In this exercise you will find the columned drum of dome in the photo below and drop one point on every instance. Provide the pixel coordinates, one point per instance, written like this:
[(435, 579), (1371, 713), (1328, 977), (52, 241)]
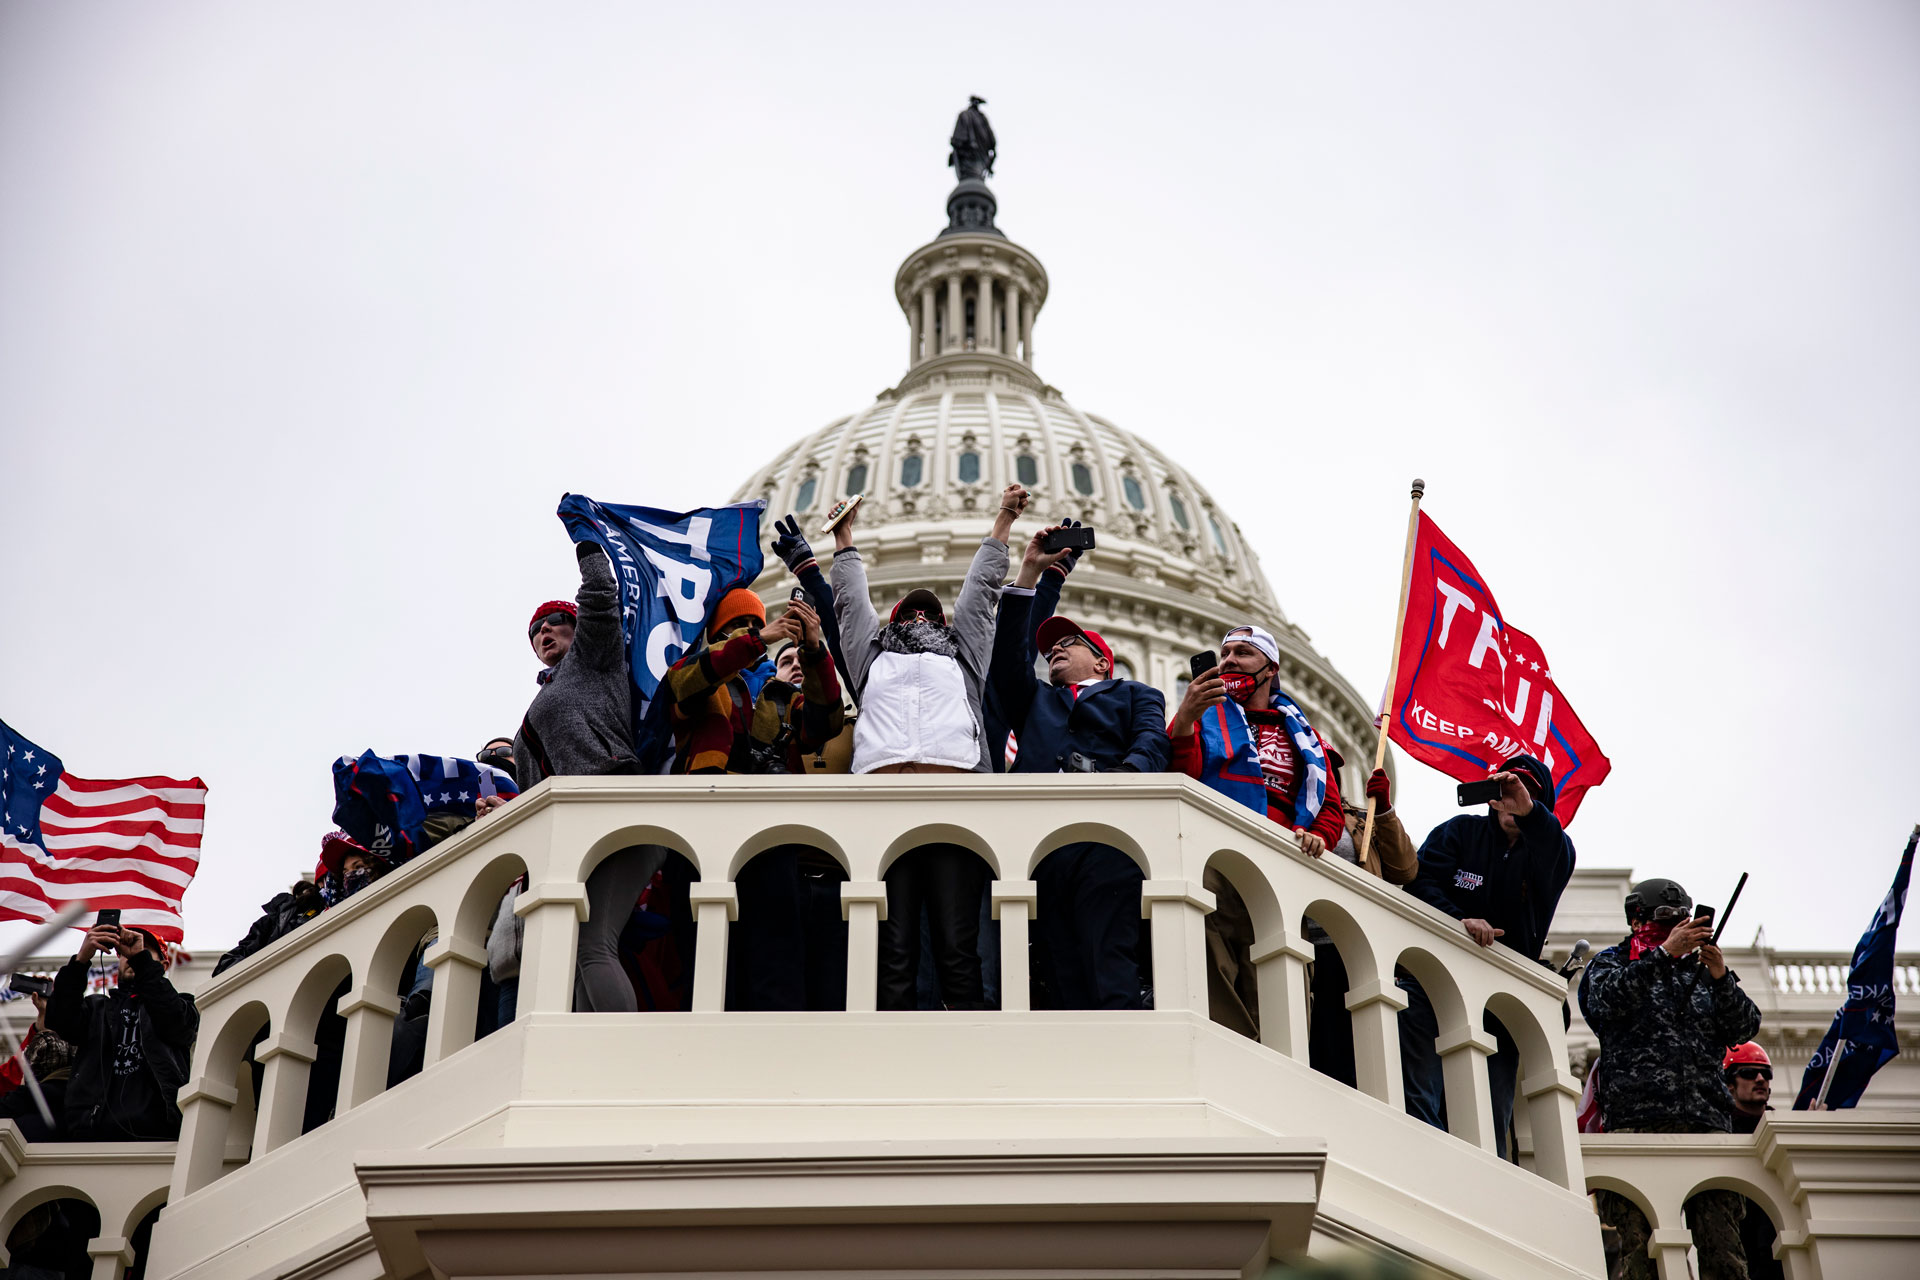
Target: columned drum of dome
[(971, 416)]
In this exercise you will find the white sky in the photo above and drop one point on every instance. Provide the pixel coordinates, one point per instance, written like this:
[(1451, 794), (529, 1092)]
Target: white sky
[(309, 315)]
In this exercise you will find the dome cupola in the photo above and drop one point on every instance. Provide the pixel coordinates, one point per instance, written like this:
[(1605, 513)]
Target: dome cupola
[(1171, 573)]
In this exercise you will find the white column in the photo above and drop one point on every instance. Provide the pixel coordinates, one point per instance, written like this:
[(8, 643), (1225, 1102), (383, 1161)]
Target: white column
[(1026, 336), (111, 1255), (1013, 906), (1376, 1041), (1280, 977), (1464, 1051), (956, 315), (554, 913), (926, 325), (363, 1061), (286, 1067), (1552, 1106), (1177, 913), (716, 904), (863, 905), (205, 1108), (1013, 319), (913, 334), (1669, 1247), (457, 965), (983, 316)]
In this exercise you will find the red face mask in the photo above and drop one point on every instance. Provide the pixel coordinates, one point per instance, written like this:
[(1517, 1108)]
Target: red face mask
[(1647, 936), (1240, 685)]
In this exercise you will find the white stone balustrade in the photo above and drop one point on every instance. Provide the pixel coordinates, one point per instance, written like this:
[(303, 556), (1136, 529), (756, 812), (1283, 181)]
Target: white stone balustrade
[(123, 1181), (1840, 1188), (557, 1079)]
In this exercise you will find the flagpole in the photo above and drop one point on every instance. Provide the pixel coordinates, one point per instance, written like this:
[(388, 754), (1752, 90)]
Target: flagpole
[(1393, 663), (1833, 1064)]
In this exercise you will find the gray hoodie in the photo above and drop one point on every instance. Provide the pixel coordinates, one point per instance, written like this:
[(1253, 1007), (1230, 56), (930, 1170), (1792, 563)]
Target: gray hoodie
[(973, 623), (582, 718)]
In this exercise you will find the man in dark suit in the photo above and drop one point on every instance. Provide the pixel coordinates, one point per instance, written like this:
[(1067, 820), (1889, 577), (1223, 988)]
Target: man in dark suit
[(1079, 720)]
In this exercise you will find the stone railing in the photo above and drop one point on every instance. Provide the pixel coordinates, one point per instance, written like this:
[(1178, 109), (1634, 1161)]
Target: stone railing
[(1825, 974), (123, 1181), (1841, 1189), (558, 832)]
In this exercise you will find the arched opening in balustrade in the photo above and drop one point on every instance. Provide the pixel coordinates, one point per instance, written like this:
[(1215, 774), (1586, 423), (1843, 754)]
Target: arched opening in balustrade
[(139, 1232), (484, 925), (1627, 1222), (1246, 913), (296, 1074), (787, 950), (222, 1135), (939, 943), (411, 938), (636, 948), (1760, 1220), (46, 1232), (1089, 949), (1525, 1051), (1440, 1071), (1344, 966)]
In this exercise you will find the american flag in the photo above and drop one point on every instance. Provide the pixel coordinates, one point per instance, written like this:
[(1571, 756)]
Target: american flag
[(131, 843)]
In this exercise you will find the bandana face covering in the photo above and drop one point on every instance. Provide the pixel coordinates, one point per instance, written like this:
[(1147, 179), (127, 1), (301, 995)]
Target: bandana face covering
[(1647, 936), (1240, 686)]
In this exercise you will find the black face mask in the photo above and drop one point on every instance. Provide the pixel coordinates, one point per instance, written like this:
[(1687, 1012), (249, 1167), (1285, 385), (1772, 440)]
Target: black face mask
[(500, 758), (356, 879)]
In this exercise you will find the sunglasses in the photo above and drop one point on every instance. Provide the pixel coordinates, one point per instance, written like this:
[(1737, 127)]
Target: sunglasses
[(1754, 1073), (554, 619)]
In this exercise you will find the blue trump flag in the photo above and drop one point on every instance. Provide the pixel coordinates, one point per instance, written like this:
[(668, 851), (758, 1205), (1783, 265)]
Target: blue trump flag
[(377, 802), (673, 567), (1865, 1021)]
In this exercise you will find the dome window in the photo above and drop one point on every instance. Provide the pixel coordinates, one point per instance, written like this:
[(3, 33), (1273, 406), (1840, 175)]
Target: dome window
[(1219, 537), (857, 483), (803, 501), (1083, 479), (1135, 498), (910, 469), (969, 468), (1026, 469), (1179, 511)]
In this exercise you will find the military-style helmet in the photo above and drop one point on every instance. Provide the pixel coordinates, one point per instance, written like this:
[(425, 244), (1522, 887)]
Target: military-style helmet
[(1649, 896)]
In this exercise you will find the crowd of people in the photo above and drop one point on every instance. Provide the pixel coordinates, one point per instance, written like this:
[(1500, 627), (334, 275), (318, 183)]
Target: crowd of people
[(831, 686)]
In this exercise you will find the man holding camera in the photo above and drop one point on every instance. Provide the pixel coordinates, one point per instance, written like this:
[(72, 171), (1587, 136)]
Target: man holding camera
[(1501, 876), (132, 1046), (1666, 1009), (1079, 720)]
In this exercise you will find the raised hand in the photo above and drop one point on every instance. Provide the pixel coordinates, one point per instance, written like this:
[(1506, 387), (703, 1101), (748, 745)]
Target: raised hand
[(791, 546), (1209, 690), (807, 621), (1514, 797)]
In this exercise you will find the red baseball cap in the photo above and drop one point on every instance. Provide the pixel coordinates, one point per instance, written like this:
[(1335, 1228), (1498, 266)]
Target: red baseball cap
[(1057, 628), (336, 847)]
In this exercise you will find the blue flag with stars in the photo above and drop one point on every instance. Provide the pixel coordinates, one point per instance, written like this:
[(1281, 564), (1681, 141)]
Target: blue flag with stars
[(28, 775), (1865, 1021), (673, 567)]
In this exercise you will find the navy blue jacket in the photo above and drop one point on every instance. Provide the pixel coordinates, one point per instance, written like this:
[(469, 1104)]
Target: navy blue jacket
[(1119, 724), (1467, 870)]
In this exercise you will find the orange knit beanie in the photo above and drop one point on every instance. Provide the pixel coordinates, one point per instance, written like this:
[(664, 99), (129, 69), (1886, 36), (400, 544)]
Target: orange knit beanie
[(737, 603)]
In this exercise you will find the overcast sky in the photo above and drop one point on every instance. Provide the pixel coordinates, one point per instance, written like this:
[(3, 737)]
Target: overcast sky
[(310, 314)]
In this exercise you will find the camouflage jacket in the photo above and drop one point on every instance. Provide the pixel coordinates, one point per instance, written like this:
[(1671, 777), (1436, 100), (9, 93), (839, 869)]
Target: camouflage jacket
[(1664, 1025)]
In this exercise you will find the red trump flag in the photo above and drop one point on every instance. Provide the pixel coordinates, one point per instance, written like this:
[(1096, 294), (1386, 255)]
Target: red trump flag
[(1472, 690)]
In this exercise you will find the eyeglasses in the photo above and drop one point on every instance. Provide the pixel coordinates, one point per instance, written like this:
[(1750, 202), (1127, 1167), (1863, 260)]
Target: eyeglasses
[(1062, 646), (554, 619), (1754, 1073)]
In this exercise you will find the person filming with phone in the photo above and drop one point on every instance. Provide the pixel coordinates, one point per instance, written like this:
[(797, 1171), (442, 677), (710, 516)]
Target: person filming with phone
[(1666, 1009), (132, 1045), (1500, 875), (1080, 719)]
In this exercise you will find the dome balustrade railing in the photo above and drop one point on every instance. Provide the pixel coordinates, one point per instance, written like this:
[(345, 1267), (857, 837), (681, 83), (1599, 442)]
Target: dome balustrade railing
[(557, 833)]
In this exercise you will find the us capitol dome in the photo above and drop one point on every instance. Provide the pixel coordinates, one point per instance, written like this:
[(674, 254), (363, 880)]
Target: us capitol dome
[(1171, 572)]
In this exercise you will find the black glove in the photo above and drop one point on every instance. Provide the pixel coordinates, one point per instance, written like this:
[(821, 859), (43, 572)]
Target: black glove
[(790, 546), (581, 550)]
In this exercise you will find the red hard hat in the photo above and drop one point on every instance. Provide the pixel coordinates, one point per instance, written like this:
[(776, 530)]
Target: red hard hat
[(1749, 1054)]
